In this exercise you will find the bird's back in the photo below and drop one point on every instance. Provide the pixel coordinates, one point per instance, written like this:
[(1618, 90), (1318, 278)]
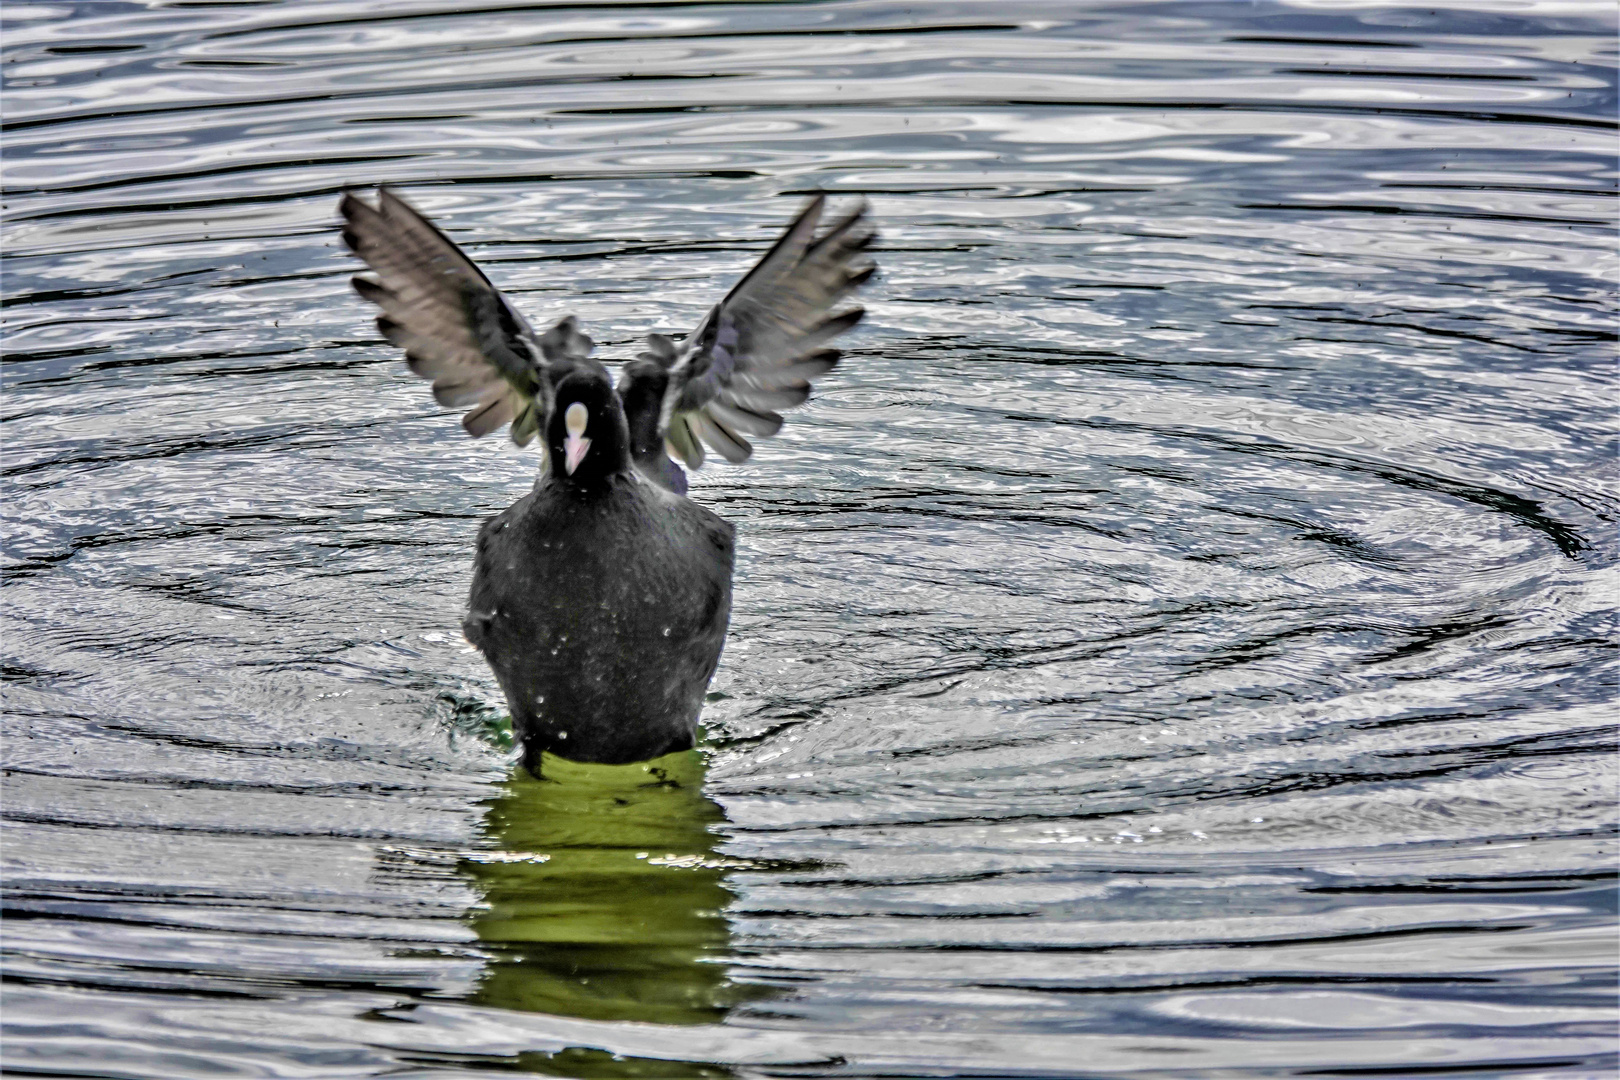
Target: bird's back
[(603, 617)]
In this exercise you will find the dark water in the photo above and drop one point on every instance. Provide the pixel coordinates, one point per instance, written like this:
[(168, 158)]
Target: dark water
[(1176, 643)]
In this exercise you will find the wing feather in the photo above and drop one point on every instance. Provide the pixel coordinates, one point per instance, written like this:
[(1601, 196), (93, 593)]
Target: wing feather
[(740, 419), (489, 416), (728, 444), (683, 442)]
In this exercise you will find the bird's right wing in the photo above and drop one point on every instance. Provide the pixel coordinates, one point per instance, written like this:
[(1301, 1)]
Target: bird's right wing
[(455, 327)]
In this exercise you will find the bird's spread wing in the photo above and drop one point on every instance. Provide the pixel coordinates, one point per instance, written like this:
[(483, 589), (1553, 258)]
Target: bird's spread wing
[(757, 350), (455, 327)]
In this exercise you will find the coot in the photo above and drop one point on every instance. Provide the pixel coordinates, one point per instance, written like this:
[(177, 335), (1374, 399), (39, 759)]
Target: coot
[(600, 598)]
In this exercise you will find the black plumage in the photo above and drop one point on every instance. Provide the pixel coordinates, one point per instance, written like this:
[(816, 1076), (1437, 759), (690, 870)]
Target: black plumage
[(600, 599), (642, 385)]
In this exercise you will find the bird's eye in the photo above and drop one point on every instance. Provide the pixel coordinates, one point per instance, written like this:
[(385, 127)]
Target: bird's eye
[(575, 419)]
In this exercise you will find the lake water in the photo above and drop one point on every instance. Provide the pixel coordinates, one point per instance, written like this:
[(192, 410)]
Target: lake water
[(1177, 641)]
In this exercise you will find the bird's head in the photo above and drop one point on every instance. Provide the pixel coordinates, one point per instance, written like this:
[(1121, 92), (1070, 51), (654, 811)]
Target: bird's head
[(586, 436)]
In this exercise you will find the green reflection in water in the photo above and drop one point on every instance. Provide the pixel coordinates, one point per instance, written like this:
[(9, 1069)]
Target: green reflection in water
[(604, 896)]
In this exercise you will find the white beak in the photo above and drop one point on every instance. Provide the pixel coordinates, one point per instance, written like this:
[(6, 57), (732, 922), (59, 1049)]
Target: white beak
[(574, 446)]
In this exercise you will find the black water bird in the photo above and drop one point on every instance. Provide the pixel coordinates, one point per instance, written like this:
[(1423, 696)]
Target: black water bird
[(600, 598)]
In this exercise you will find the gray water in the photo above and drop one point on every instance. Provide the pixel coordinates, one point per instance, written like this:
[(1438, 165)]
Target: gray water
[(1176, 642)]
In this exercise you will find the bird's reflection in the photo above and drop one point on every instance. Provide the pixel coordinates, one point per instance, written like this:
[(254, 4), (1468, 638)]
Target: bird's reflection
[(604, 896)]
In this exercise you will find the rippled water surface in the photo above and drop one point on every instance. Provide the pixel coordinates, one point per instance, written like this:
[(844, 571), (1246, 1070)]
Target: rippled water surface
[(1174, 643)]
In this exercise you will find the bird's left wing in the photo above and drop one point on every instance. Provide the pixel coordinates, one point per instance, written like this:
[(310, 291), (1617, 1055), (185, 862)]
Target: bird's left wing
[(455, 327), (757, 351)]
